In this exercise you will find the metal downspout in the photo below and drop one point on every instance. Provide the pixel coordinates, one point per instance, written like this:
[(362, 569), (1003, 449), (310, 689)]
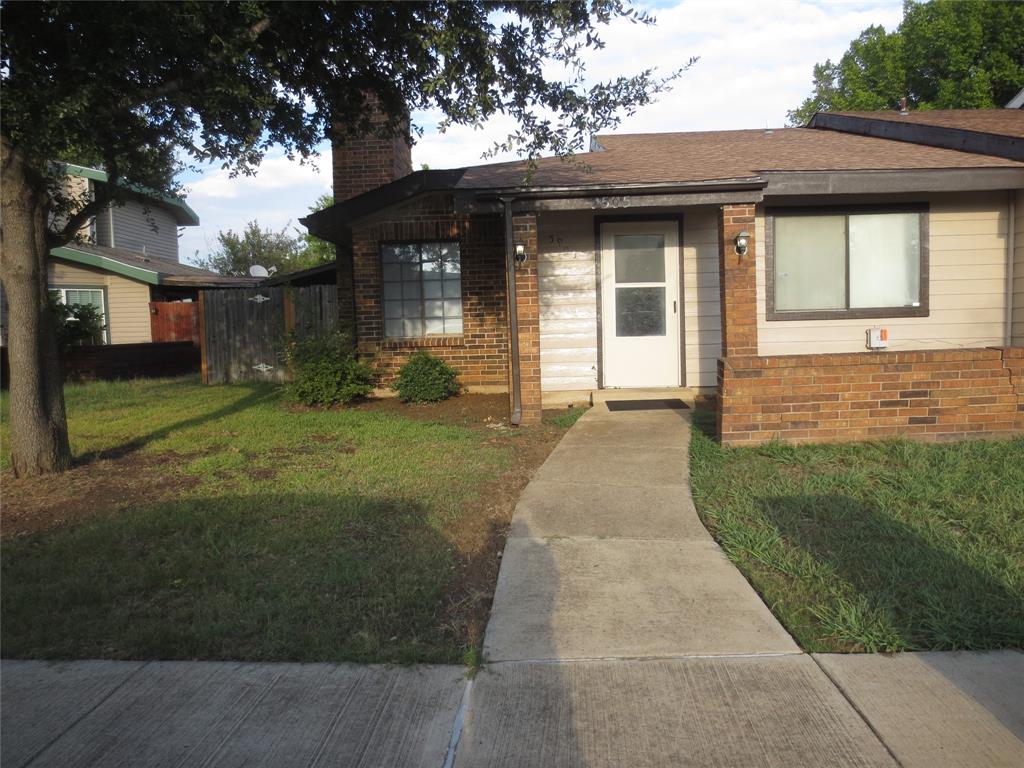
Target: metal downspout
[(1010, 255), (513, 315)]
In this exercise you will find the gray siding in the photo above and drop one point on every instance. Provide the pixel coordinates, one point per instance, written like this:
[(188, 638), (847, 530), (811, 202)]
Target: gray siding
[(132, 227)]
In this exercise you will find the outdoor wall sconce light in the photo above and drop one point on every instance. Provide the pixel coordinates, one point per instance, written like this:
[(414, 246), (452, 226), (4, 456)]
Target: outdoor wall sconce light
[(742, 240), (520, 253)]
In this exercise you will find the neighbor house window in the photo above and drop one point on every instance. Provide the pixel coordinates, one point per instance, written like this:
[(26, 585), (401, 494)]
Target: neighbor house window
[(93, 296), (422, 289), (857, 263)]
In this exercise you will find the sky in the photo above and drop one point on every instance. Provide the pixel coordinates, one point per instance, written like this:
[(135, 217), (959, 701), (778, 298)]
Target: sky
[(756, 62)]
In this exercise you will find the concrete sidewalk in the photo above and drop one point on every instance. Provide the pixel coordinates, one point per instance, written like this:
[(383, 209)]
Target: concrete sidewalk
[(118, 713), (608, 559), (620, 635)]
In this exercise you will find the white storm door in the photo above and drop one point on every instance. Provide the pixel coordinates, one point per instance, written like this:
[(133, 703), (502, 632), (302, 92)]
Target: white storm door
[(640, 304)]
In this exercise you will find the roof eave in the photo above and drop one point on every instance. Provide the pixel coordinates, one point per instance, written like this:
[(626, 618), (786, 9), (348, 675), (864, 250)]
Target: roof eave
[(961, 139), (70, 253)]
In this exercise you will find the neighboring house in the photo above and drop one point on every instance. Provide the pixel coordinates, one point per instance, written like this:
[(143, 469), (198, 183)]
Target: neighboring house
[(825, 282), (127, 265)]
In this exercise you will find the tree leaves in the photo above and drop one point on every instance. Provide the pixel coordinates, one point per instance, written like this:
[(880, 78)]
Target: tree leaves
[(145, 89), (946, 54)]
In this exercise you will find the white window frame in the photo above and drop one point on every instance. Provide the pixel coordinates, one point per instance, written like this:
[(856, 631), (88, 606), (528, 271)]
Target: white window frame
[(63, 291)]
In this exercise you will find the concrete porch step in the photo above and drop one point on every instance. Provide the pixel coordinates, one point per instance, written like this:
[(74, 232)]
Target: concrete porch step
[(686, 394)]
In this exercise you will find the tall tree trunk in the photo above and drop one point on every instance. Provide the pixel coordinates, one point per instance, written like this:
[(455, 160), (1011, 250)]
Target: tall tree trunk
[(39, 429)]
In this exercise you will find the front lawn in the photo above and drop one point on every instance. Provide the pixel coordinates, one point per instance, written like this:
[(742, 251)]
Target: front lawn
[(220, 523), (874, 547)]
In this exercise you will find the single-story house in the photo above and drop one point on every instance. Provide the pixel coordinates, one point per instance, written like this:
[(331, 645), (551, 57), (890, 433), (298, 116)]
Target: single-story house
[(127, 265), (859, 277)]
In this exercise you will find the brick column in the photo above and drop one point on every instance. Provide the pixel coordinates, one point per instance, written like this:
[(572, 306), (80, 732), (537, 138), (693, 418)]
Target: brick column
[(524, 228), (738, 282)]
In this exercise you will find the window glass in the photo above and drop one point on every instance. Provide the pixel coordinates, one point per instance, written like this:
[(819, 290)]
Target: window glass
[(810, 262), (93, 296), (885, 260), (422, 289), (639, 311), (879, 253), (639, 258)]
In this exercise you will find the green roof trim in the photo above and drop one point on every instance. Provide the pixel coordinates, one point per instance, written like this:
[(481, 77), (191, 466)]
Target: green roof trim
[(183, 212), (80, 170), (70, 253)]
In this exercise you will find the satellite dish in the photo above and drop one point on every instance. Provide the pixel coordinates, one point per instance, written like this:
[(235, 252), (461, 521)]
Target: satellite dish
[(257, 271)]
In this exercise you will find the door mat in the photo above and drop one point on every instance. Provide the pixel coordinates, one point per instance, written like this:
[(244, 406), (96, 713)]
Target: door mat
[(646, 405)]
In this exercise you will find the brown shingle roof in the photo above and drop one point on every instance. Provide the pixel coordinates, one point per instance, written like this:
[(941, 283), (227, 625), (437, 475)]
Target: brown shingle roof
[(1001, 122), (653, 158)]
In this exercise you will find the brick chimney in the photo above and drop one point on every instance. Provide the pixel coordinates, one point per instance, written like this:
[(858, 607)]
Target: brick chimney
[(362, 163)]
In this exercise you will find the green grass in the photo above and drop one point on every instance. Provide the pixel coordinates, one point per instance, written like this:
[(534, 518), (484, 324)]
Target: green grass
[(882, 546), (298, 535), (566, 418)]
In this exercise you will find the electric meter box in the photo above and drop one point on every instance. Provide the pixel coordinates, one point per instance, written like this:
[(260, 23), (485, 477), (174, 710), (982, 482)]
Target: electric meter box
[(878, 338)]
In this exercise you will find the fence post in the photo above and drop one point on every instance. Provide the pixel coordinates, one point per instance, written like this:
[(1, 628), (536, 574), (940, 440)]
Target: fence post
[(203, 375), (289, 310)]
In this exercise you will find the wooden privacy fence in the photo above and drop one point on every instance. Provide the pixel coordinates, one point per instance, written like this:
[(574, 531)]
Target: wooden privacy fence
[(174, 321), (242, 330)]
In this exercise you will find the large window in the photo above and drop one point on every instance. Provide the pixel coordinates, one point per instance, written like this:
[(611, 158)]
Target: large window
[(859, 263), (422, 289), (93, 296)]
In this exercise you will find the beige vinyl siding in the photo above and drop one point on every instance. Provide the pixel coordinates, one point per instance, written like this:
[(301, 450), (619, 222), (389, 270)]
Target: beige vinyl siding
[(127, 300), (137, 228), (701, 297), (567, 281), (968, 269), (1017, 331)]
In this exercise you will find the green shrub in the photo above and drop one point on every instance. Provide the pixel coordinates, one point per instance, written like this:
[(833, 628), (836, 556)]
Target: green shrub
[(77, 325), (426, 379), (325, 370)]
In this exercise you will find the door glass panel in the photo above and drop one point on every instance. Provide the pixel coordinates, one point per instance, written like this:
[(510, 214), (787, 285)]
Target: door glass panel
[(639, 311), (639, 258)]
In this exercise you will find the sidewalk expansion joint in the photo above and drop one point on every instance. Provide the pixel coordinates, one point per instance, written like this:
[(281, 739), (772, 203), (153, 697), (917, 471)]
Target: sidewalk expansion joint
[(674, 657), (853, 705)]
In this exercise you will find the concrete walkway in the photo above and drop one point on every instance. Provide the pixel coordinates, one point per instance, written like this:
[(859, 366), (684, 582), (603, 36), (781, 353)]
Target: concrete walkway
[(620, 635)]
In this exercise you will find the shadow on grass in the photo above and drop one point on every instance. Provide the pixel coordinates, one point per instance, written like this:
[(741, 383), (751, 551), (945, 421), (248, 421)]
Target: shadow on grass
[(705, 422), (299, 577), (913, 594), (257, 393)]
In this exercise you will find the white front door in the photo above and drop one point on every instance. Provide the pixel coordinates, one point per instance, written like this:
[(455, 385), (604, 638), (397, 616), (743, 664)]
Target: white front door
[(640, 304)]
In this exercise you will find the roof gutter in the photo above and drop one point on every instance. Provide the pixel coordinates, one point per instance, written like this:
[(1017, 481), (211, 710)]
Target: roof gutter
[(513, 314), (586, 190)]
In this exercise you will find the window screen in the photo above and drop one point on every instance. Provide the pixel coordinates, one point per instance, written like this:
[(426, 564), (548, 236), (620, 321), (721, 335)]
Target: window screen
[(422, 289)]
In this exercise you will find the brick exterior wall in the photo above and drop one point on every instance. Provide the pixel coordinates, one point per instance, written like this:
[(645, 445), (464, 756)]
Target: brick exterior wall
[(362, 163), (359, 164), (930, 395), (524, 228), (737, 281), (480, 353)]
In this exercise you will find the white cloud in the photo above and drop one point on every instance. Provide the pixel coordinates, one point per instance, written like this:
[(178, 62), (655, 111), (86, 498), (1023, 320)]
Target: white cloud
[(756, 60)]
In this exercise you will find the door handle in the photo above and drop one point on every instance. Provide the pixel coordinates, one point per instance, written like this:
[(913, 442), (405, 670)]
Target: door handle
[(674, 310)]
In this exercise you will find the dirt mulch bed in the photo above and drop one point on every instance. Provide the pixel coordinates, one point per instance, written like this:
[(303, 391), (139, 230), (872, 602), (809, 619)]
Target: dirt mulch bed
[(104, 486)]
